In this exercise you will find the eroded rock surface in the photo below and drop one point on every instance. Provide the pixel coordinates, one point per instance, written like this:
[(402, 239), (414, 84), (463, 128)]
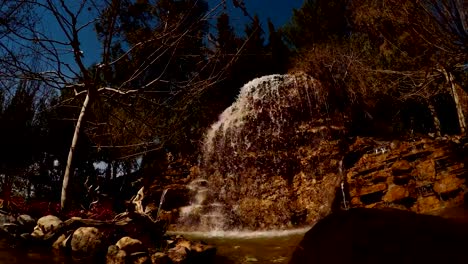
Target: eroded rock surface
[(421, 175)]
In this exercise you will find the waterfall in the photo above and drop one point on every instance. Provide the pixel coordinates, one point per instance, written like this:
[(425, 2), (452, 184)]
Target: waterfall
[(272, 158)]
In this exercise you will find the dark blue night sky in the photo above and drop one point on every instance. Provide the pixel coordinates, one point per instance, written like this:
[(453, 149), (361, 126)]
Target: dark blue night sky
[(279, 11)]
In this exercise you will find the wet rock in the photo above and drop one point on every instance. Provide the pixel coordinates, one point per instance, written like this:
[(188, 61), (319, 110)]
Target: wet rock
[(395, 193), (45, 225), (160, 258), (87, 241), (422, 175), (115, 255), (448, 184), (178, 254), (130, 245), (368, 236)]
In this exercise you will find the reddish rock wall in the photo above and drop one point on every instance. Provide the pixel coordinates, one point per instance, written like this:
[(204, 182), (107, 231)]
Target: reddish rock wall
[(422, 176)]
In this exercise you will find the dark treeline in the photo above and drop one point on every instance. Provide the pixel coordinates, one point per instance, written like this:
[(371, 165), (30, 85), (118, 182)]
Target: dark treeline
[(168, 68)]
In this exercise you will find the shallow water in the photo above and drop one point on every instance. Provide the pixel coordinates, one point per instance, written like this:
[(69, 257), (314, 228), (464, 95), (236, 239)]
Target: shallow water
[(251, 247), (20, 255)]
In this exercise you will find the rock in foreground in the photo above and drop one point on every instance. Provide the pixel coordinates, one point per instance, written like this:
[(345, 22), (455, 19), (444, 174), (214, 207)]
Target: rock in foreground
[(383, 236)]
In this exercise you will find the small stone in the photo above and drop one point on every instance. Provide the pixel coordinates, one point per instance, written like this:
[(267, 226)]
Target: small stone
[(130, 245)]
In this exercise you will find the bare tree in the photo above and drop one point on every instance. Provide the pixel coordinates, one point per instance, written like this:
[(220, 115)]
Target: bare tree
[(439, 34), (62, 58)]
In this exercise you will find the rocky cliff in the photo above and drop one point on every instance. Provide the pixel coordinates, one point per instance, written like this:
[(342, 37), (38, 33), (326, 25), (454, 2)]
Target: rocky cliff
[(420, 175)]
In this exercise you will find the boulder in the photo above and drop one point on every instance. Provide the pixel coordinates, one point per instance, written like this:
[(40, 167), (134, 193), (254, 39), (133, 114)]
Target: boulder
[(45, 225), (130, 245), (388, 236), (87, 241)]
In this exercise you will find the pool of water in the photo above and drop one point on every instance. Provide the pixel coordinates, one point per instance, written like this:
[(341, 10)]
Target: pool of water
[(12, 254), (251, 247)]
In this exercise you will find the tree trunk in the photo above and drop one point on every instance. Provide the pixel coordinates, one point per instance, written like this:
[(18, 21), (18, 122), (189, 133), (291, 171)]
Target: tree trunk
[(435, 118), (456, 99), (68, 168)]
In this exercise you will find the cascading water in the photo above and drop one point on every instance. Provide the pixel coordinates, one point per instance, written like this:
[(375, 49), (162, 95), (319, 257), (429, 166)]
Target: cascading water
[(161, 201), (272, 159)]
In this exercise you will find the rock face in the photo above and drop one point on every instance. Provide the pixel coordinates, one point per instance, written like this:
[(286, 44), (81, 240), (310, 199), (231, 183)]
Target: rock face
[(422, 175), (274, 155), (363, 236)]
